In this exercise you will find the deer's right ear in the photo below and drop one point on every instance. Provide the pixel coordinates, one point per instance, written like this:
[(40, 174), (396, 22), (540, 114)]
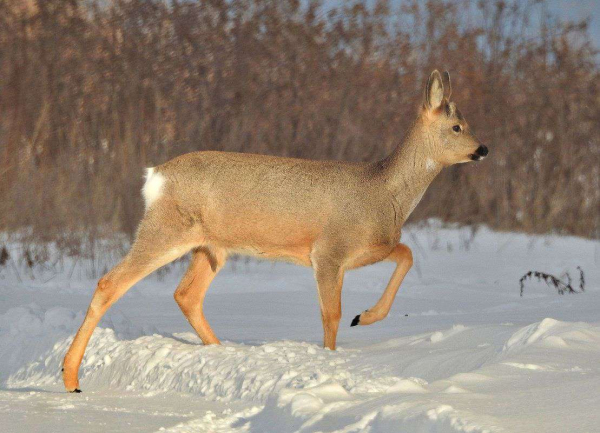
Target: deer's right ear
[(434, 92), (447, 85)]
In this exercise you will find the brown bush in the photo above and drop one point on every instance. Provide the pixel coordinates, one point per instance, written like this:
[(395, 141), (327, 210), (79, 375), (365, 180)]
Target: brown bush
[(93, 91)]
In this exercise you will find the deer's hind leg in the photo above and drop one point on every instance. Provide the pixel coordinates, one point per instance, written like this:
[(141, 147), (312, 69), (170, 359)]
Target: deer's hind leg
[(402, 255), (204, 266), (155, 246)]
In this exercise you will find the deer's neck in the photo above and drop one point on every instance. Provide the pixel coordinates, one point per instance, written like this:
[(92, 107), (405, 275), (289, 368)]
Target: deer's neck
[(409, 170)]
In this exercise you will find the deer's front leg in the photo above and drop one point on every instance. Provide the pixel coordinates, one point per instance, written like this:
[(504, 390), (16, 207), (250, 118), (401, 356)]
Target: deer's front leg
[(329, 278), (402, 255)]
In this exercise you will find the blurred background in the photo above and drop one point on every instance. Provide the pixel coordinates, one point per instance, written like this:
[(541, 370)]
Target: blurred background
[(93, 91)]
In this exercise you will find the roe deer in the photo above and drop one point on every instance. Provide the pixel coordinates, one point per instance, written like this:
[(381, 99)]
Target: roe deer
[(330, 215)]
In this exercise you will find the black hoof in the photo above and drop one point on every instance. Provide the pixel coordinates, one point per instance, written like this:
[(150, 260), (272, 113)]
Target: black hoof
[(75, 391), (62, 369), (355, 321)]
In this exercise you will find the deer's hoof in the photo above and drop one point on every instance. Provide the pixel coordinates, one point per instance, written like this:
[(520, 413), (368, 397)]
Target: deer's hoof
[(355, 321), (75, 391)]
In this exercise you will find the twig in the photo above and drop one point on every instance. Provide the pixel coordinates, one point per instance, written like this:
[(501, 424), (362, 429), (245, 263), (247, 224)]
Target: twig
[(561, 286)]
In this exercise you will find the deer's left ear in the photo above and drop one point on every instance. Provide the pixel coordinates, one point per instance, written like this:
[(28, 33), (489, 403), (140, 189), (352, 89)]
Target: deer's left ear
[(434, 92)]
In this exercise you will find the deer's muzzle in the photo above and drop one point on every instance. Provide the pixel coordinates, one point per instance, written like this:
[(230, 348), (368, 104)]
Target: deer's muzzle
[(480, 153)]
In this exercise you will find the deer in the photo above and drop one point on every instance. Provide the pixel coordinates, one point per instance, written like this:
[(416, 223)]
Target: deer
[(332, 216)]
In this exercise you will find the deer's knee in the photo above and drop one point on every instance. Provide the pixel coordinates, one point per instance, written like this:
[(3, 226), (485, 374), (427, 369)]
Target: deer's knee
[(103, 285), (186, 303), (403, 254), (180, 297), (104, 292)]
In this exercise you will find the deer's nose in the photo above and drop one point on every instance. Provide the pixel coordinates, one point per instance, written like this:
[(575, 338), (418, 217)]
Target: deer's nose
[(482, 151)]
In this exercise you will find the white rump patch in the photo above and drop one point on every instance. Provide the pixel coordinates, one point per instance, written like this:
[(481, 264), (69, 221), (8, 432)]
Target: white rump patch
[(152, 189)]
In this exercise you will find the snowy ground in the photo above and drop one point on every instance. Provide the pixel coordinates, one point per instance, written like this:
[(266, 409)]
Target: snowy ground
[(460, 351)]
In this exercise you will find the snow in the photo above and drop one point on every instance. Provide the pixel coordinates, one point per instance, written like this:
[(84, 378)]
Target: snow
[(460, 351)]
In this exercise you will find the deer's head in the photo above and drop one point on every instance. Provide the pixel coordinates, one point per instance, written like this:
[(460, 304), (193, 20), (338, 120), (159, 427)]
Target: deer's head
[(449, 138)]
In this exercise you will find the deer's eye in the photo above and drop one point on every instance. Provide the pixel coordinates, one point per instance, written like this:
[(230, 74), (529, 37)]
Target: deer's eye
[(456, 128)]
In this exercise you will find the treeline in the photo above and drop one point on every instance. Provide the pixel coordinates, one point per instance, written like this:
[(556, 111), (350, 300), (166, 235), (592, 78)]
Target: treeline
[(93, 91)]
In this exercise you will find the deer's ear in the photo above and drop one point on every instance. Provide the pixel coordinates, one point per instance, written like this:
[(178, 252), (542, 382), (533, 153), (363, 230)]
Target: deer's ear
[(434, 92), (447, 85)]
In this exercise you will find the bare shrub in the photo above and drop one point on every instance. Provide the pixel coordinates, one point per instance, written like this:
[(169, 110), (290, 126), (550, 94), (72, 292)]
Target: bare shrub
[(561, 285), (91, 92)]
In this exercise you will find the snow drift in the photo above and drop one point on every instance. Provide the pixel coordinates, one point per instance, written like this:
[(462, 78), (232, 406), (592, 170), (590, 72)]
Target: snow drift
[(459, 352)]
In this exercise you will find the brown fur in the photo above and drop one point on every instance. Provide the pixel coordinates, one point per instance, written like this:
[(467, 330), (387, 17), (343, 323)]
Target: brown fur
[(330, 215)]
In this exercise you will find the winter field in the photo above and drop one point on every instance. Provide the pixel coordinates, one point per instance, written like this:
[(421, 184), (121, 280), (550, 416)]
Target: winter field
[(461, 351)]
